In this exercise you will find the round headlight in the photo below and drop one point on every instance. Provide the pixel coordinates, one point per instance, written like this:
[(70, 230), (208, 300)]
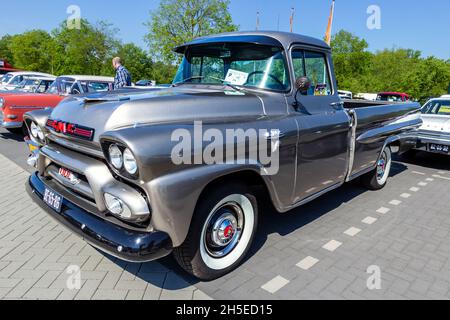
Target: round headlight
[(34, 129), (115, 156), (129, 162)]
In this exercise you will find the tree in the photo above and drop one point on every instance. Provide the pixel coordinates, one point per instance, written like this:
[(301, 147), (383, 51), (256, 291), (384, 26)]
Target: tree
[(5, 48), (84, 51), (178, 21), (30, 51), (135, 59)]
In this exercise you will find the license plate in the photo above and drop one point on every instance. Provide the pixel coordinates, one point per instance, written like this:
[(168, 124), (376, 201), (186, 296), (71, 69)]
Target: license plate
[(53, 199), (439, 148)]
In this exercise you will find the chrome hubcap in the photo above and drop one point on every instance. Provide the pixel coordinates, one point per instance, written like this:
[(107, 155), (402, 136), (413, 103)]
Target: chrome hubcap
[(381, 168), (224, 230)]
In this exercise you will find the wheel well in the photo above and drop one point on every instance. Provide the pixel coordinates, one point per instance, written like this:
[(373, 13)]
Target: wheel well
[(395, 146), (247, 177)]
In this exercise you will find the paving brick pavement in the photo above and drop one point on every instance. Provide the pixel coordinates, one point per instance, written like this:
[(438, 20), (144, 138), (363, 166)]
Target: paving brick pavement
[(322, 250)]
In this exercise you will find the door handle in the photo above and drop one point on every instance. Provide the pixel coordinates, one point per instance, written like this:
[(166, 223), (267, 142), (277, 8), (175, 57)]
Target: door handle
[(337, 105)]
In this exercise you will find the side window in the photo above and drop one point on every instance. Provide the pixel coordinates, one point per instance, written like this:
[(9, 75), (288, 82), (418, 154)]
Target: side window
[(317, 71), (298, 60)]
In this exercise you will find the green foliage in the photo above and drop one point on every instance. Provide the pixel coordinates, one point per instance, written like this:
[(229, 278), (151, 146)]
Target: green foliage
[(85, 50), (403, 70), (5, 49), (30, 50), (179, 21)]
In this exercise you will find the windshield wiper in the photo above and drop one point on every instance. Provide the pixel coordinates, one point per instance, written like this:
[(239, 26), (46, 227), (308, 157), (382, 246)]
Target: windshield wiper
[(187, 80), (212, 77)]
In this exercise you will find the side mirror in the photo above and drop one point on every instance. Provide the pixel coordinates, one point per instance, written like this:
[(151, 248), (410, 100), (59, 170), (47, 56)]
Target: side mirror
[(303, 84)]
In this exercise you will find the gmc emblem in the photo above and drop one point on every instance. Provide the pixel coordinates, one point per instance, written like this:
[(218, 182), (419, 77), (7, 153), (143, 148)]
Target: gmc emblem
[(70, 129), (68, 175)]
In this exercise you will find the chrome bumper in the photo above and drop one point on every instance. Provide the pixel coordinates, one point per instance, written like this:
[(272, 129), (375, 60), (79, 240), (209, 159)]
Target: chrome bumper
[(424, 140), (12, 125), (98, 180)]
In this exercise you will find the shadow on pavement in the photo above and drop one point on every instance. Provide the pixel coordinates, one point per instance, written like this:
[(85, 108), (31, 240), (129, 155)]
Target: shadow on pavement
[(428, 160), (12, 136), (270, 222)]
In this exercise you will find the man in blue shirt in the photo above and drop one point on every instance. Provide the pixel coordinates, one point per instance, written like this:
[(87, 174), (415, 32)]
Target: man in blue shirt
[(123, 77)]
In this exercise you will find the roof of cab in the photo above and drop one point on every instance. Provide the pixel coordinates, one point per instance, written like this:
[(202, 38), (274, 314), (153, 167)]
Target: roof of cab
[(274, 38)]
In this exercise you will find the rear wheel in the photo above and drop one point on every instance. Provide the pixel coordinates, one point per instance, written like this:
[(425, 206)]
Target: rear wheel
[(221, 232), (377, 179)]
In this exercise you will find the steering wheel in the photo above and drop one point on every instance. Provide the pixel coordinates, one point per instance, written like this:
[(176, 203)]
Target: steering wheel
[(278, 81)]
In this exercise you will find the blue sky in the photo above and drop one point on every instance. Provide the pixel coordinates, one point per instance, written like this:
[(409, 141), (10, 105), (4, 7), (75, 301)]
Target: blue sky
[(420, 25)]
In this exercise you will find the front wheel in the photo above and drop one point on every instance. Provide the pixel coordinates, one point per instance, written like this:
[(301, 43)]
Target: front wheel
[(221, 232), (377, 179)]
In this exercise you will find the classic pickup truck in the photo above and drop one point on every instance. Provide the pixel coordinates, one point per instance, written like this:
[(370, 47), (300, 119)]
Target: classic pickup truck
[(142, 174)]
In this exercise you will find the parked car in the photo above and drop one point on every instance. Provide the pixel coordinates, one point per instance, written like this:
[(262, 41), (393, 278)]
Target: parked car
[(345, 94), (434, 135), (32, 85), (14, 106), (106, 166), (11, 80), (5, 68), (393, 97)]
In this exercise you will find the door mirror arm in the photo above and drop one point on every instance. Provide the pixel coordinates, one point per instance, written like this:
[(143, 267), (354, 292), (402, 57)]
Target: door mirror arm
[(302, 85)]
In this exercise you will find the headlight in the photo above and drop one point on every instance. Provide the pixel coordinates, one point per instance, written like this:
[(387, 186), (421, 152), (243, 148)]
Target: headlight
[(36, 131), (115, 156), (129, 162)]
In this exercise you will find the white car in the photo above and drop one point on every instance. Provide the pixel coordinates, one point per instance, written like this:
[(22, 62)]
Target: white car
[(434, 135), (35, 84), (11, 80), (345, 94)]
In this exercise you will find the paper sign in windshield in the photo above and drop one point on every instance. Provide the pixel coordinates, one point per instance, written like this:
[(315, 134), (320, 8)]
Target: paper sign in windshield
[(236, 77)]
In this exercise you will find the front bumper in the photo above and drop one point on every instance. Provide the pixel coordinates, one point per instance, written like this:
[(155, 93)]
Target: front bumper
[(123, 243), (12, 125)]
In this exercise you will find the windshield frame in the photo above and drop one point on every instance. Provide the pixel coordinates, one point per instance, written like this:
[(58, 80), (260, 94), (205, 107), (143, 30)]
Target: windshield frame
[(282, 51)]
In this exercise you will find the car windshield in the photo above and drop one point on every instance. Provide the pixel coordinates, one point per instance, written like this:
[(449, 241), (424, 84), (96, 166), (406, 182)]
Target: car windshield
[(237, 64), (61, 86), (6, 78), (441, 107)]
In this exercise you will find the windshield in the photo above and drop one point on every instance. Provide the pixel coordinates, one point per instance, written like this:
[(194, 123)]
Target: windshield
[(61, 86), (241, 64), (441, 107), (6, 78)]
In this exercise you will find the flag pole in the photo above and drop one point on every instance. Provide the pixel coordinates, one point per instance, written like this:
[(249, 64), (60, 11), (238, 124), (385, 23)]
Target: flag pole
[(292, 19), (330, 24), (257, 20)]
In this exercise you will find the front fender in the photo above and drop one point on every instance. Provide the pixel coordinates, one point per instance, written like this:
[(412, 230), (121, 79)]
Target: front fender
[(173, 197)]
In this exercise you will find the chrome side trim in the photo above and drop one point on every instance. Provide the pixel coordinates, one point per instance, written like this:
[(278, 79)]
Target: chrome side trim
[(352, 143)]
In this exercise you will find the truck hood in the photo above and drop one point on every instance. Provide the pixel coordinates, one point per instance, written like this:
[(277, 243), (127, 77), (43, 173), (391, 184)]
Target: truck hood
[(112, 111), (436, 123)]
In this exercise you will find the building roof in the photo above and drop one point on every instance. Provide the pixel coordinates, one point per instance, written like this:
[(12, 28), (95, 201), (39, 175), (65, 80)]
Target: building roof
[(275, 38), (30, 73)]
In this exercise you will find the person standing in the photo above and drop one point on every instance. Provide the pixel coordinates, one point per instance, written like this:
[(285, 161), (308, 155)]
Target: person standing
[(123, 76)]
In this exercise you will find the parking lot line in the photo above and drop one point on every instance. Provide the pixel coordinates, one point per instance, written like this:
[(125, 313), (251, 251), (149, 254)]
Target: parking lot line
[(430, 179), (405, 195), (369, 220), (395, 202), (419, 173), (414, 189), (332, 245), (275, 284), (440, 177), (307, 263), (352, 231), (423, 184), (383, 210)]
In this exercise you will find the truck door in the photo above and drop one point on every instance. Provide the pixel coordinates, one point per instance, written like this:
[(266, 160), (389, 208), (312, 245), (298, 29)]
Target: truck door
[(323, 124)]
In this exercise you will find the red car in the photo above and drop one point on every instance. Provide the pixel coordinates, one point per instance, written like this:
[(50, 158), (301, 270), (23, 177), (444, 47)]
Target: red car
[(5, 67), (393, 97), (14, 106)]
